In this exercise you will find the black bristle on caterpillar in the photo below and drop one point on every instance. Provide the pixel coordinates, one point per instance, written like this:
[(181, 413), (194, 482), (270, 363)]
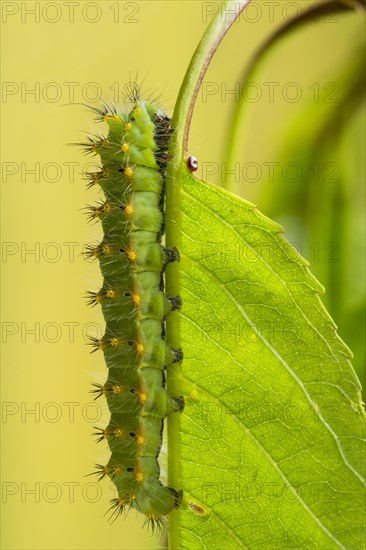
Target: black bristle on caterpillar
[(100, 472), (179, 403), (176, 303), (155, 523), (178, 355), (172, 255), (132, 177), (118, 506)]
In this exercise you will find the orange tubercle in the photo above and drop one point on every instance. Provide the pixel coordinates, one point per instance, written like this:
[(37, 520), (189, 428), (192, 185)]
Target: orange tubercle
[(140, 347), (136, 299), (117, 433), (128, 172), (131, 254), (114, 342), (116, 390), (129, 210), (142, 397), (106, 249), (111, 118)]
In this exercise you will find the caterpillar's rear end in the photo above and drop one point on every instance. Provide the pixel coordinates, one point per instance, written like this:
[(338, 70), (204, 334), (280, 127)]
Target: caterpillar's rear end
[(132, 260)]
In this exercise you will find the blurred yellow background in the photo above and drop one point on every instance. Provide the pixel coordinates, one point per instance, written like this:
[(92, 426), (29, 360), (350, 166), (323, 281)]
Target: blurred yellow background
[(55, 54)]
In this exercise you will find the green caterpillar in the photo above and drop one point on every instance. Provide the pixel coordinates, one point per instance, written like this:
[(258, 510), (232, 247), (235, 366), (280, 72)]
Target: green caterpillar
[(132, 261)]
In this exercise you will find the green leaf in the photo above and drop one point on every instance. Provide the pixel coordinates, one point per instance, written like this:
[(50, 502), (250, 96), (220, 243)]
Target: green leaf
[(270, 448), (272, 435)]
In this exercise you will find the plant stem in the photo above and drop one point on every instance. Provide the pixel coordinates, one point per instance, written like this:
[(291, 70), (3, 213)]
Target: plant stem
[(178, 150)]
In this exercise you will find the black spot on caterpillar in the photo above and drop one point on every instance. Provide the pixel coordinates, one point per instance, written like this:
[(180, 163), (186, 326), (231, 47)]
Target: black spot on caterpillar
[(132, 260)]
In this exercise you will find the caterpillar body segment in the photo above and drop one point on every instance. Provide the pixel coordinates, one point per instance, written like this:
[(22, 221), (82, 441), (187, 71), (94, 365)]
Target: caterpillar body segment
[(132, 260)]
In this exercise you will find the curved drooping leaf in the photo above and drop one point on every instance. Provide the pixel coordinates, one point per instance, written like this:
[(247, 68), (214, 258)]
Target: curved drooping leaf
[(272, 436), (307, 17)]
